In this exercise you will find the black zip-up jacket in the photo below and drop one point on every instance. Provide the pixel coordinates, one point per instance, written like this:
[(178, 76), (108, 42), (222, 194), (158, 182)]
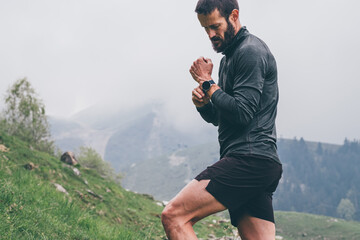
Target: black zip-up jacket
[(245, 106)]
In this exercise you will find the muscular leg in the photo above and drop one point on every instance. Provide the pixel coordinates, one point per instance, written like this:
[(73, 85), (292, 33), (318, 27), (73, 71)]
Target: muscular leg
[(191, 204), (252, 228)]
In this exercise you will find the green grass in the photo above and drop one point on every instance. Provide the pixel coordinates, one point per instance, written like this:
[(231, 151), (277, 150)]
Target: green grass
[(31, 208), (292, 226)]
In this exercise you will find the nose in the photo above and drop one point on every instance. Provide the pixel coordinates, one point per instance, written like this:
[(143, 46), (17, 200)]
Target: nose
[(211, 33)]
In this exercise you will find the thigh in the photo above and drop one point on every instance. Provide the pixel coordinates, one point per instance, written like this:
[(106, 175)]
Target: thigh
[(252, 228), (194, 202)]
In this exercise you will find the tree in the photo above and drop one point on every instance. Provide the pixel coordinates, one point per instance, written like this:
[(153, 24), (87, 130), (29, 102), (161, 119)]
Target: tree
[(346, 209), (24, 116), (89, 158), (319, 149)]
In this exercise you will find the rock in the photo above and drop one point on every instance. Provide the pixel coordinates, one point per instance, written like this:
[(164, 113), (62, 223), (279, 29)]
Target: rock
[(211, 236), (69, 158), (118, 220), (61, 188), (148, 196), (160, 204), (76, 171), (94, 194), (8, 170), (332, 220), (101, 213), (155, 215), (224, 220), (3, 148), (29, 166), (80, 193)]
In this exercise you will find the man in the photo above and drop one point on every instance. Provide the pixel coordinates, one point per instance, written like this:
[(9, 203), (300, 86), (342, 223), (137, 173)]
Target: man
[(243, 105)]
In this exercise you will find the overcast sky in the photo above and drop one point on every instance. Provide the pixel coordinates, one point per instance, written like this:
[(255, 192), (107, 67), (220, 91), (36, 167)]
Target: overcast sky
[(80, 53)]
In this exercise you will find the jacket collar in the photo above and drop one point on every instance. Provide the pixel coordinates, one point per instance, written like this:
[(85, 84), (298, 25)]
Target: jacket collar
[(237, 39)]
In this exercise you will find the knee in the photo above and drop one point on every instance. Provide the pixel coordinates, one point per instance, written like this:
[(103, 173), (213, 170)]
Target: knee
[(170, 216), (167, 215)]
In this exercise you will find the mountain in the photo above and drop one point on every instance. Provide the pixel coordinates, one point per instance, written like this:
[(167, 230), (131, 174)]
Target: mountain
[(66, 133), (146, 138), (126, 136), (94, 126)]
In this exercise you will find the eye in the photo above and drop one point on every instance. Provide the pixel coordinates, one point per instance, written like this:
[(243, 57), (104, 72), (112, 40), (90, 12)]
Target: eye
[(215, 27)]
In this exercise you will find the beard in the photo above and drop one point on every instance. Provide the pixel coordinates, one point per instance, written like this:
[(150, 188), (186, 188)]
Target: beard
[(222, 44)]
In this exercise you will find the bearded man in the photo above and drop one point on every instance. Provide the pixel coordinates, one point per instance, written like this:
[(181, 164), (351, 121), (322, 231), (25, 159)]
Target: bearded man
[(243, 106)]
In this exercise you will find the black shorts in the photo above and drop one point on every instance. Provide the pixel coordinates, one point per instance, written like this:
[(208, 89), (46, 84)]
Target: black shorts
[(244, 184)]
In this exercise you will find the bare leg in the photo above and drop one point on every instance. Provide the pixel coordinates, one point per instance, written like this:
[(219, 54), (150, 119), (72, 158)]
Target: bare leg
[(191, 204), (252, 228)]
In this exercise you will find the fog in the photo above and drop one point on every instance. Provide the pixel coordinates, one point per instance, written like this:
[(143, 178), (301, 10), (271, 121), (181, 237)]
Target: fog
[(124, 53)]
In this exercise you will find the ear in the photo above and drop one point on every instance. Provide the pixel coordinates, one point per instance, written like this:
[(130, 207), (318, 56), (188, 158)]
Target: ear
[(234, 16)]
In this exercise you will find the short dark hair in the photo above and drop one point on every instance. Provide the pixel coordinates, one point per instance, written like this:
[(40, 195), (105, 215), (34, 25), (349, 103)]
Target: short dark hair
[(225, 7)]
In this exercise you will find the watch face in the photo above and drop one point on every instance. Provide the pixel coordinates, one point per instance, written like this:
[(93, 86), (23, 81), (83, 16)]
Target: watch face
[(206, 85)]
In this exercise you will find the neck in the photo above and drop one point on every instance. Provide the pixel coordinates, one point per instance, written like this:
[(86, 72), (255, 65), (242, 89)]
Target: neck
[(238, 26)]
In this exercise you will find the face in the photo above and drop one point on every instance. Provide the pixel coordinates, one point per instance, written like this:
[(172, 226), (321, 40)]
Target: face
[(220, 31)]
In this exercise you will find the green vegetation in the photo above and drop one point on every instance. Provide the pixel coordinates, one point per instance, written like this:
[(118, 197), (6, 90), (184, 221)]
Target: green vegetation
[(31, 208), (294, 226), (89, 158), (24, 116)]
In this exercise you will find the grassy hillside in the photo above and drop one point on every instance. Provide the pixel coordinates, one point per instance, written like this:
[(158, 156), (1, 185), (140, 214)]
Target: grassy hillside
[(94, 208), (294, 226)]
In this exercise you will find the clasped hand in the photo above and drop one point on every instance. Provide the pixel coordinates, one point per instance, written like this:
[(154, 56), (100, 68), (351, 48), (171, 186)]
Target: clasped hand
[(201, 71)]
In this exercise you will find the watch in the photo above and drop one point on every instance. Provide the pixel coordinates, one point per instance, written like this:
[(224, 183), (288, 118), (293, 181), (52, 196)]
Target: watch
[(207, 85)]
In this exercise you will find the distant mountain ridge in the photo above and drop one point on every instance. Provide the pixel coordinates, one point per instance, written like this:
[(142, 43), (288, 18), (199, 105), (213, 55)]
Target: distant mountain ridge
[(126, 136)]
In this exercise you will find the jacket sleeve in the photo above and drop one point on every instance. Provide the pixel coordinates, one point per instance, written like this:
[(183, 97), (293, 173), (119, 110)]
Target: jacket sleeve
[(209, 113), (249, 74)]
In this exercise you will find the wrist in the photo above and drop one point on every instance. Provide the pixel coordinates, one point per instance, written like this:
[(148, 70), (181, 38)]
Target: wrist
[(203, 79), (213, 89)]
